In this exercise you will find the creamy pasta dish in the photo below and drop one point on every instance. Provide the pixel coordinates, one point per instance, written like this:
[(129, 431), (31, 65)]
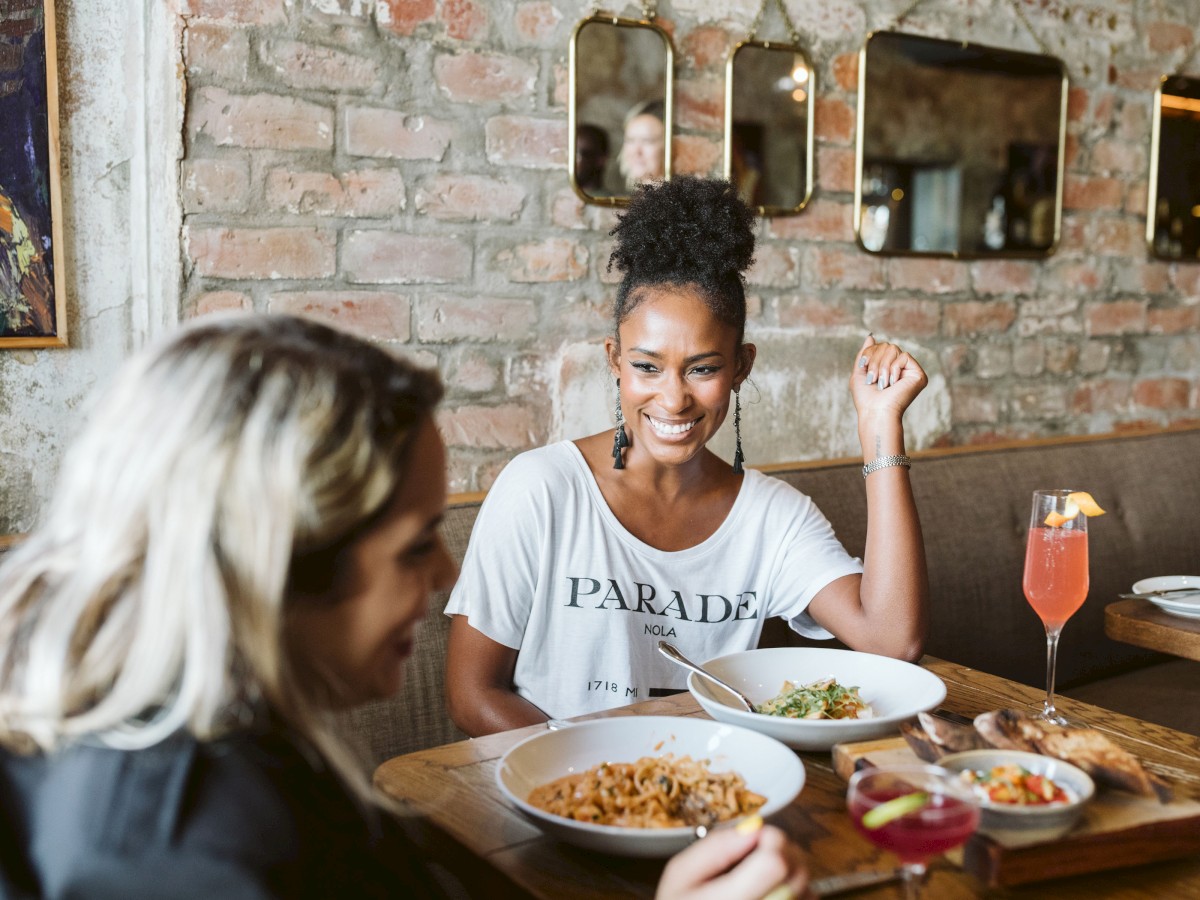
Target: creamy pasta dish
[(654, 792)]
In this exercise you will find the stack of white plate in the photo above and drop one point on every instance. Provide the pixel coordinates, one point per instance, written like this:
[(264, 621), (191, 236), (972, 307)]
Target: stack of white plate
[(1184, 599)]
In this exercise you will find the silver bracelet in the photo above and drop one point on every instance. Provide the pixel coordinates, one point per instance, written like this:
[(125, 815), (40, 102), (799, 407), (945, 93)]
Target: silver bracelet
[(884, 462)]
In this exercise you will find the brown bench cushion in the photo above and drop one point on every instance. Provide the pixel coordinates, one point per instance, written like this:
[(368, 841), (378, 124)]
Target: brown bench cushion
[(1166, 693)]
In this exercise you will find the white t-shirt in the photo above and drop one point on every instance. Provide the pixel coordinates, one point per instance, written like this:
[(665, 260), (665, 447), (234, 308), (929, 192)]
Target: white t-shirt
[(551, 572)]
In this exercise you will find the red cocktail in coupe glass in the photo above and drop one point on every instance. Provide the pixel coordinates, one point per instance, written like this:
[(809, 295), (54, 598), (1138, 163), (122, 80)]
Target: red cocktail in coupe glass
[(916, 812), (1056, 574)]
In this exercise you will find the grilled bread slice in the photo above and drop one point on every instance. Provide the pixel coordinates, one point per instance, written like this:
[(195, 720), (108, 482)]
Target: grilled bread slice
[(1087, 748), (1011, 729), (1109, 764)]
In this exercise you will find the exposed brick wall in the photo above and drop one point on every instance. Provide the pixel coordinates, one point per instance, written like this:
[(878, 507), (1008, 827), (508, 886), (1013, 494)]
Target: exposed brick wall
[(399, 167)]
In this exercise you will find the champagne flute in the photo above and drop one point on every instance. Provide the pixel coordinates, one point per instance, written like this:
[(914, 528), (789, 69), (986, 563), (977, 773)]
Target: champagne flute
[(1056, 575), (914, 811)]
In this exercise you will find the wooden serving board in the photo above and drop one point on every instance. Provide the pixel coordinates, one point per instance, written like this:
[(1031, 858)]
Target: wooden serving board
[(1118, 829)]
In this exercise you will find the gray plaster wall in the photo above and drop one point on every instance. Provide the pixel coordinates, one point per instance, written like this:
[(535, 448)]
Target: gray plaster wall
[(119, 98)]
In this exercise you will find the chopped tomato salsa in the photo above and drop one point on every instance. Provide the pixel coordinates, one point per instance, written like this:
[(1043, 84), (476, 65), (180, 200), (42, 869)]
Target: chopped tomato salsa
[(1016, 785)]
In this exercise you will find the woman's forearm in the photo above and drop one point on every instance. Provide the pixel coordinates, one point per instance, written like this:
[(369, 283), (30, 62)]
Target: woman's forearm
[(479, 683), (895, 585), (492, 710)]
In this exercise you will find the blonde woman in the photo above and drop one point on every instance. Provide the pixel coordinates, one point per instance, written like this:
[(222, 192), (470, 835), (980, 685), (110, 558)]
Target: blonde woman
[(643, 147), (244, 540)]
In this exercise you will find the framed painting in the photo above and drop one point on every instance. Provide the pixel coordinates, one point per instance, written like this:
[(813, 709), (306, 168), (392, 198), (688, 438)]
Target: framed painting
[(32, 304)]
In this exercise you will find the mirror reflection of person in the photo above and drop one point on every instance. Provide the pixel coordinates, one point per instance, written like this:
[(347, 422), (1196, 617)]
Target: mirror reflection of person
[(176, 635), (995, 221), (1030, 204), (591, 157), (643, 150), (746, 162)]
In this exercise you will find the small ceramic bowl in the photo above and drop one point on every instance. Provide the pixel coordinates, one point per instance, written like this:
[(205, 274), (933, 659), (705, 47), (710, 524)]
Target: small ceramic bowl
[(1027, 824)]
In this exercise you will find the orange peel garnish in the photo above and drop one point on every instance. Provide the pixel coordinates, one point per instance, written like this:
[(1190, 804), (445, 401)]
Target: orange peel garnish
[(1077, 502), (1086, 504)]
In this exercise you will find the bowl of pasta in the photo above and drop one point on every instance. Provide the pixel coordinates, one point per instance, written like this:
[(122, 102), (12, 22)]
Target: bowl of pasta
[(812, 698), (640, 785)]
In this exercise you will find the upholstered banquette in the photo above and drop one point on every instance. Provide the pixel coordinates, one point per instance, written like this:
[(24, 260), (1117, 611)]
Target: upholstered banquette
[(974, 507)]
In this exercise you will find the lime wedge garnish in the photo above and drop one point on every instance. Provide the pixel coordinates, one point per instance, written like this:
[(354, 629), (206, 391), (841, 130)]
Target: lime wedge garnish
[(894, 809)]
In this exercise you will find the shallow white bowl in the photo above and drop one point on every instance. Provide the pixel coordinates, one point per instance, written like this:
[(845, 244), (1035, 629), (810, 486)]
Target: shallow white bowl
[(1027, 824), (768, 767), (1181, 604), (896, 691)]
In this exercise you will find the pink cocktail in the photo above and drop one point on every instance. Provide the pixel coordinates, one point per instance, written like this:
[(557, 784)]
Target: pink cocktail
[(940, 826), (1056, 574), (916, 812)]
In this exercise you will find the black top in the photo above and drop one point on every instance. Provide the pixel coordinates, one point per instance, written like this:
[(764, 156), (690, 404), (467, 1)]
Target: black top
[(248, 816)]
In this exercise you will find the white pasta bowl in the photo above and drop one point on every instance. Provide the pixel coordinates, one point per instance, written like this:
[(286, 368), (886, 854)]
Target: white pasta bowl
[(1015, 824), (895, 690), (768, 767)]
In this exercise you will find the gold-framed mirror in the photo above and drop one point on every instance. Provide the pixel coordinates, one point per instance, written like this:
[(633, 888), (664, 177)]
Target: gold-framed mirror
[(769, 90), (1173, 215), (619, 114), (960, 149)]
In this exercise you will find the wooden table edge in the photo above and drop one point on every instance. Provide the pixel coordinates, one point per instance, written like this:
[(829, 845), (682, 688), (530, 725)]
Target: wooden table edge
[(1142, 624)]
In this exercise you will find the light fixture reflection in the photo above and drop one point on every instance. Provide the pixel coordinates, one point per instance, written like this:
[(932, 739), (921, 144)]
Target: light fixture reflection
[(1187, 104)]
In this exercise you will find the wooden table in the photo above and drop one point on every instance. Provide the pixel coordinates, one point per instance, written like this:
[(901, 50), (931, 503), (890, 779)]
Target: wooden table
[(1143, 624), (453, 785)]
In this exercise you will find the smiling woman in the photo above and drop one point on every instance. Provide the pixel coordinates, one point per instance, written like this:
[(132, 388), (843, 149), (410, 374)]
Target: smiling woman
[(355, 649), (586, 552)]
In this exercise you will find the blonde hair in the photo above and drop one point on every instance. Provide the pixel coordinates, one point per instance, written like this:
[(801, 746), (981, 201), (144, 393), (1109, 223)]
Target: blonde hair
[(209, 477)]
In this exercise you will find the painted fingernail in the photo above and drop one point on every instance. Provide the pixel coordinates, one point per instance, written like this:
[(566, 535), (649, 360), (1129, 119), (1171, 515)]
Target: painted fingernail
[(870, 378), (749, 824), (882, 383), (862, 362)]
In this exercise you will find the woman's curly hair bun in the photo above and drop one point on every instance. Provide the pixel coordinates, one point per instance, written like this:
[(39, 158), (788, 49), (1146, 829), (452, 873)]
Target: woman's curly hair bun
[(688, 230), (674, 230)]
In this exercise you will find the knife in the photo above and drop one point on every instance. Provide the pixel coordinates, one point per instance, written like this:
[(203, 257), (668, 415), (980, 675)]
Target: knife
[(1169, 592), (851, 881)]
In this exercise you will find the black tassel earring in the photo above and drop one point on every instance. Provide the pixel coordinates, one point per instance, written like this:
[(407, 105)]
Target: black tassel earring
[(738, 458), (620, 439)]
